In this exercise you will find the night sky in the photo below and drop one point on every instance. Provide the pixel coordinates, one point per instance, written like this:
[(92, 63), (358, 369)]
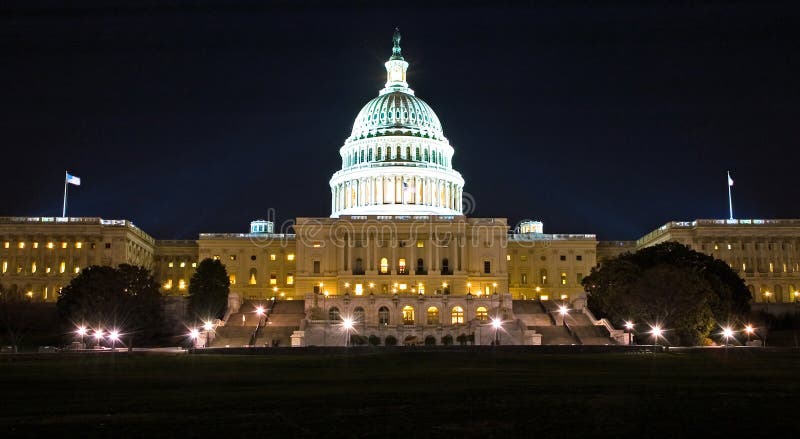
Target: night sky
[(594, 117)]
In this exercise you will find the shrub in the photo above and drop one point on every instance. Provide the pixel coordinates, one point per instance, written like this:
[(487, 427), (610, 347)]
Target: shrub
[(358, 340), (391, 340), (430, 340), (447, 340), (374, 340), (462, 339)]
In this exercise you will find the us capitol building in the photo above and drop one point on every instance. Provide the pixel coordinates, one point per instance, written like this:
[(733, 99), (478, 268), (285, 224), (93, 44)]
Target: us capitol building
[(396, 256)]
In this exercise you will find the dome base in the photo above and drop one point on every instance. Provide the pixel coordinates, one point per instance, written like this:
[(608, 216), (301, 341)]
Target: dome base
[(396, 209)]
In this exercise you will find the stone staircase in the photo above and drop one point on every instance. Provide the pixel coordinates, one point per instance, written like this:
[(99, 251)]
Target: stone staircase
[(284, 318), (552, 335), (543, 317), (530, 313), (239, 327)]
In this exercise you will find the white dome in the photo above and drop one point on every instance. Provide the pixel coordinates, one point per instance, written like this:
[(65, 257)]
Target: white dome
[(397, 113)]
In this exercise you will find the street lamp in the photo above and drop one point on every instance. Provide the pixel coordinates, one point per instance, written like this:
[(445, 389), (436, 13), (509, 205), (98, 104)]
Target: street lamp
[(347, 324), (767, 294), (194, 334), (562, 309), (749, 330), (208, 326), (629, 325), (727, 333), (81, 331), (98, 336), (113, 335), (656, 331), (497, 324)]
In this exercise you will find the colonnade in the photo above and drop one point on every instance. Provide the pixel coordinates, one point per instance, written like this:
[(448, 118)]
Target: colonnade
[(396, 189)]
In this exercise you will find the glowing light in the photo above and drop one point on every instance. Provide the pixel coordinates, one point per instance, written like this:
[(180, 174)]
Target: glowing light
[(347, 323), (208, 326), (562, 309), (497, 323), (260, 310), (98, 334), (194, 333), (656, 331), (629, 325), (749, 329), (81, 331), (727, 332), (114, 335)]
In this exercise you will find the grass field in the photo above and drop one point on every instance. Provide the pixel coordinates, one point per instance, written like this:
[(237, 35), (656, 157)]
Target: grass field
[(745, 393)]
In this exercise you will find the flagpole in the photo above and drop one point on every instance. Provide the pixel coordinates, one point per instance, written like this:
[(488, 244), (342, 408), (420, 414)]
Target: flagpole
[(64, 209), (730, 200)]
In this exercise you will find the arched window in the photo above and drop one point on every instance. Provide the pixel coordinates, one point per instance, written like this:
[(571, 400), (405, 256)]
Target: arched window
[(384, 266), (408, 153), (418, 158), (358, 315), (481, 313), (362, 156), (457, 315), (433, 315), (333, 313), (253, 276), (369, 155), (427, 157), (433, 156), (383, 315), (420, 266), (401, 266), (379, 154), (397, 155), (408, 315)]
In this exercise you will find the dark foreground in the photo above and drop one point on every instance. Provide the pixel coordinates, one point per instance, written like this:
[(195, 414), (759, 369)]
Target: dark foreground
[(744, 393)]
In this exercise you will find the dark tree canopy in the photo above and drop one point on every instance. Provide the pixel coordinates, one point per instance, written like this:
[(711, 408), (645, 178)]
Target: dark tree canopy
[(126, 298), (208, 290), (687, 292)]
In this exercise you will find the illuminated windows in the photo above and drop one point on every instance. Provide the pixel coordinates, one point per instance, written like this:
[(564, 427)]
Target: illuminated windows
[(77, 270), (194, 264), (181, 284), (5, 266), (408, 315), (62, 267), (290, 279), (6, 244), (63, 245), (273, 257), (421, 288), (508, 257), (183, 264), (457, 315), (543, 276), (563, 278), (21, 245), (50, 245), (171, 264), (168, 284), (359, 289), (78, 245), (384, 266), (433, 315), (35, 245), (401, 266), (253, 274), (482, 314), (232, 279), (33, 267), (273, 279), (290, 257), (420, 244)]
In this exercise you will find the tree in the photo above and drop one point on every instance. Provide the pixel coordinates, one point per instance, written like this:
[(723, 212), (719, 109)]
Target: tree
[(208, 290), (16, 316), (126, 298), (685, 291)]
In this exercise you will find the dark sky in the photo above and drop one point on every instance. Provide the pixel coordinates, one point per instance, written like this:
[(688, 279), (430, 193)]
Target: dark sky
[(595, 117)]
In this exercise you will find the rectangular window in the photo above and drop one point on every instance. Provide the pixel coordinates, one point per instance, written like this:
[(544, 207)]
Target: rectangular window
[(563, 278), (563, 257), (420, 244), (181, 284), (5, 266), (35, 245), (316, 267), (78, 245), (579, 257), (272, 257), (359, 289), (77, 270), (232, 279), (523, 279), (50, 245), (168, 284), (171, 264), (21, 245), (108, 245), (487, 267), (6, 244), (290, 279), (401, 266), (194, 264), (33, 267), (508, 257), (63, 245), (290, 257), (62, 267), (183, 264), (273, 279), (47, 270)]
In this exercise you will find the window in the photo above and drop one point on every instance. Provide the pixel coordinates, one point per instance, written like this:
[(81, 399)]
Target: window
[(579, 257), (233, 257), (232, 279), (290, 279), (457, 315), (383, 315), (183, 264), (290, 257), (33, 267), (50, 245), (543, 276), (35, 245), (401, 266), (482, 314), (272, 257), (384, 266), (359, 266), (563, 278), (333, 314), (445, 266), (108, 245), (21, 245), (62, 267), (316, 267), (358, 314), (6, 244), (420, 244), (563, 257), (408, 315), (420, 266), (181, 284), (194, 264), (359, 289), (5, 266), (63, 245), (253, 274), (487, 267), (523, 279), (508, 257), (171, 264), (421, 288), (168, 284), (433, 315), (273, 279), (78, 245)]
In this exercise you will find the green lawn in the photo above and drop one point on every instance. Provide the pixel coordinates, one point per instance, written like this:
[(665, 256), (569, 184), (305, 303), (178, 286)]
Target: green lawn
[(404, 394)]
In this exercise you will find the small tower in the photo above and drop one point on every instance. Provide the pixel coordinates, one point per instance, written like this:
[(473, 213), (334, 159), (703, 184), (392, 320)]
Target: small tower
[(396, 69), (261, 227), (530, 226)]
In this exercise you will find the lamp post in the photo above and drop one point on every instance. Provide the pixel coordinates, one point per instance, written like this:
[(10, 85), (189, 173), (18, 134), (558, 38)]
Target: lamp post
[(538, 291), (194, 334), (113, 335), (562, 309), (727, 333), (748, 329), (347, 324), (767, 295), (497, 324), (98, 336), (656, 331), (208, 326), (81, 331), (629, 325)]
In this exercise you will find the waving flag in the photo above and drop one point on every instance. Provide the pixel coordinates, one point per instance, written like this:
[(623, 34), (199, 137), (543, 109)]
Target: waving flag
[(730, 180), (71, 179)]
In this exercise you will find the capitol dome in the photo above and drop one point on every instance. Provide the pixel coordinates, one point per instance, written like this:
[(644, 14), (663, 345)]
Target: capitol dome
[(397, 160)]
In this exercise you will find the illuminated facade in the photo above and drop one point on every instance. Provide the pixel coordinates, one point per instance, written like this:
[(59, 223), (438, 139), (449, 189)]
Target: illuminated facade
[(396, 254)]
